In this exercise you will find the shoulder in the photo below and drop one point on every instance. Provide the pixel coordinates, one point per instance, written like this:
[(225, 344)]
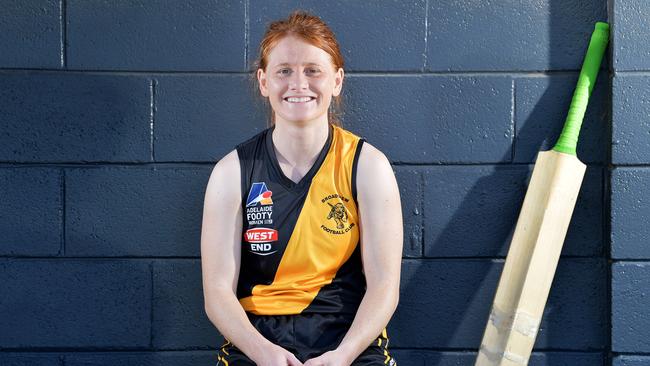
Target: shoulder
[(228, 163), (372, 167), (371, 157), (225, 177)]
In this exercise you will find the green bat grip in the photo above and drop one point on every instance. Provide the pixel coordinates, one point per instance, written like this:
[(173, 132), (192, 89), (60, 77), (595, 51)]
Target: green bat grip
[(569, 138)]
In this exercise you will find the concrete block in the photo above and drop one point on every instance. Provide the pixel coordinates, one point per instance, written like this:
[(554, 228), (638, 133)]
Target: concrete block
[(433, 119), (135, 211), (75, 304), (31, 211), (146, 36), (71, 117)]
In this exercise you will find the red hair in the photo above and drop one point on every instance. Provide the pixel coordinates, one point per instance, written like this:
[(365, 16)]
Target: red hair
[(312, 30)]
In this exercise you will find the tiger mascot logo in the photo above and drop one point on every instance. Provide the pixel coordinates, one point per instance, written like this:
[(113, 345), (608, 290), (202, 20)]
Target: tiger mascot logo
[(339, 214)]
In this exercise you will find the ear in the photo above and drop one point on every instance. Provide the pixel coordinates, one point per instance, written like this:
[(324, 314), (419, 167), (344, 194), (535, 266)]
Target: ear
[(261, 80), (338, 82)]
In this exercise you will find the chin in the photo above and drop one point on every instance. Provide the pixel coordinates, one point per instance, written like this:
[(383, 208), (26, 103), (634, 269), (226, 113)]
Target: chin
[(300, 118)]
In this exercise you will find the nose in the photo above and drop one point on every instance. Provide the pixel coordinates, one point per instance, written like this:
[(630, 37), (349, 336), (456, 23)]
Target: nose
[(298, 81)]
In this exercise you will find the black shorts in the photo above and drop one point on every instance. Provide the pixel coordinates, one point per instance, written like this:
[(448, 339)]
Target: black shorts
[(307, 336)]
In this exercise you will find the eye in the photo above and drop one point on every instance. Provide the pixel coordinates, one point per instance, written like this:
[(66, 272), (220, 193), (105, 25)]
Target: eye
[(284, 71), (313, 71)]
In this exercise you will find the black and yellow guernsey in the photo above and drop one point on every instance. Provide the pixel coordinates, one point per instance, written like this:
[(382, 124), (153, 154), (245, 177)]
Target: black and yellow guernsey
[(300, 249)]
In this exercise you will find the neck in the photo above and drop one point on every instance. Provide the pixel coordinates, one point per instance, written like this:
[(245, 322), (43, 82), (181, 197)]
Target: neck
[(299, 144)]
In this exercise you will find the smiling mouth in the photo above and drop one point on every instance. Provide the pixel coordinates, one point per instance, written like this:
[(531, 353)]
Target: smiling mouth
[(299, 100)]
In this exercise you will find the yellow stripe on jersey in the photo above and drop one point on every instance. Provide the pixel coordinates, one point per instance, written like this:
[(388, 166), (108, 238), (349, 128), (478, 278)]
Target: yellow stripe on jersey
[(325, 236)]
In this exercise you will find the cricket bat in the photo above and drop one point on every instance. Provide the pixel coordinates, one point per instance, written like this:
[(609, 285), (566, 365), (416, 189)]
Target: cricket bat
[(540, 231)]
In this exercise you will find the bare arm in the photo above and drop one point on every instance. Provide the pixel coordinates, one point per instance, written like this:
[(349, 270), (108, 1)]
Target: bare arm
[(381, 252), (220, 259)]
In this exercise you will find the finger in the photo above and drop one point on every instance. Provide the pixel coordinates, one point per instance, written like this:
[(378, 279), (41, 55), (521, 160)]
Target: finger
[(293, 361)]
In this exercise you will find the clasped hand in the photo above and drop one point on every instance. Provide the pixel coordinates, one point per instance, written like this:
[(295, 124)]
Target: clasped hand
[(278, 356)]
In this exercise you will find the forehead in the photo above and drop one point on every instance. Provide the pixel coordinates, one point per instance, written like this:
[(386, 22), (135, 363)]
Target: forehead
[(294, 51)]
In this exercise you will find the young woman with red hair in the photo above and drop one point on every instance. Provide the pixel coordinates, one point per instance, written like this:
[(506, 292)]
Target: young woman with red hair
[(302, 228)]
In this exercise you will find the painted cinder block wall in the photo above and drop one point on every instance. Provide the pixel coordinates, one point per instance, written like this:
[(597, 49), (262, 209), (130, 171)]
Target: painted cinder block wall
[(113, 114), (630, 179)]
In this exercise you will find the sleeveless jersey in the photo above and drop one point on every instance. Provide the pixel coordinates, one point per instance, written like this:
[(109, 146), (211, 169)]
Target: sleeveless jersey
[(300, 249)]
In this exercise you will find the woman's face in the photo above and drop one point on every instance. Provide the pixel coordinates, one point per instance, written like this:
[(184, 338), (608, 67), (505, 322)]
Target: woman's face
[(299, 81)]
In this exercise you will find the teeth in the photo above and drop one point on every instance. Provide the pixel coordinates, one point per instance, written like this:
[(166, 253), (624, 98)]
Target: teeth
[(298, 100)]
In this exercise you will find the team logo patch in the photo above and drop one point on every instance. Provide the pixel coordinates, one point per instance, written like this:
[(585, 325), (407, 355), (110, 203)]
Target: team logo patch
[(259, 194), (337, 218), (260, 240)]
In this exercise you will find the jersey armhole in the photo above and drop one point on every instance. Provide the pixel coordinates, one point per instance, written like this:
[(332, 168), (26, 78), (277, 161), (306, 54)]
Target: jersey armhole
[(355, 163), (242, 175)]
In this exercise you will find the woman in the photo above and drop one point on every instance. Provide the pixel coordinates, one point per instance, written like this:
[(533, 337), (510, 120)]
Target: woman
[(302, 228)]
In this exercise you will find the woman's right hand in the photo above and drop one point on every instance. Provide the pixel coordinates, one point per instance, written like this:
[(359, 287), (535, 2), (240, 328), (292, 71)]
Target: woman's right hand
[(274, 355)]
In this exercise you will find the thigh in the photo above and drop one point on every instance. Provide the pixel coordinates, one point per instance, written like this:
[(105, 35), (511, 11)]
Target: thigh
[(229, 355)]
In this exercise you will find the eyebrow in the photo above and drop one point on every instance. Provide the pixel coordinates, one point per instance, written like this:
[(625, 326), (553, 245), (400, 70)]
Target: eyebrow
[(288, 64)]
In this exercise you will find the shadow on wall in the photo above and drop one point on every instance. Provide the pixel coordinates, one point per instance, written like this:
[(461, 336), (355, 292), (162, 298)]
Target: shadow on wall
[(446, 301)]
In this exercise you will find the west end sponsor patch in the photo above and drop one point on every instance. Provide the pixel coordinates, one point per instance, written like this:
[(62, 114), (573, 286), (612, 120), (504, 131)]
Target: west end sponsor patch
[(260, 240), (259, 205), (260, 235), (337, 218)]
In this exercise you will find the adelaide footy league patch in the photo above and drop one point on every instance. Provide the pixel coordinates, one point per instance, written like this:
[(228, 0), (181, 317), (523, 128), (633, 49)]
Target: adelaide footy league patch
[(259, 194), (259, 205)]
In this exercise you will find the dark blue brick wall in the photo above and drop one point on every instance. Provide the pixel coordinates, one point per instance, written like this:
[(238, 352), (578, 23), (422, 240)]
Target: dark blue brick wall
[(30, 34), (429, 358), (113, 114), (31, 211), (443, 304), (175, 35), (435, 117), (632, 361), (71, 303), (216, 113), (542, 102), (134, 211), (630, 204), (185, 358), (630, 320), (630, 111), (179, 319), (74, 117), (485, 201), (632, 51), (630, 177), (527, 35), (409, 180), (8, 359), (386, 35)]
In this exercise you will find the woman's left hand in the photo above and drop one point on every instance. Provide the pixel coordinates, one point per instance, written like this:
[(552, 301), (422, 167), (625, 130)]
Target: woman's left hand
[(331, 358)]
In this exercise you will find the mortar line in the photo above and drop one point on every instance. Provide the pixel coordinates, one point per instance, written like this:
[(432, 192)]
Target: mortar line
[(63, 212), (246, 32), (513, 116), (63, 35), (350, 73), (426, 34), (151, 306), (422, 221), (152, 106)]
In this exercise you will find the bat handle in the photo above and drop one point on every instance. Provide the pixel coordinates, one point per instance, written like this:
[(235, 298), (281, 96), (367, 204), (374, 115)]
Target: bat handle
[(569, 138)]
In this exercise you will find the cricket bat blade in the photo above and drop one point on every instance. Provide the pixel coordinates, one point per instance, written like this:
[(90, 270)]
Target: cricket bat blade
[(532, 259)]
